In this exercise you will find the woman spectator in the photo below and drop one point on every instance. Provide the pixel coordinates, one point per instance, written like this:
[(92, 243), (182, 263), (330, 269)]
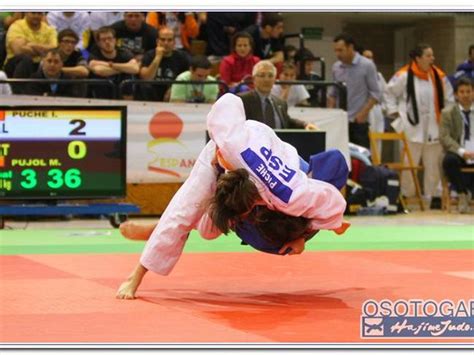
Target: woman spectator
[(294, 95), (237, 66), (415, 96)]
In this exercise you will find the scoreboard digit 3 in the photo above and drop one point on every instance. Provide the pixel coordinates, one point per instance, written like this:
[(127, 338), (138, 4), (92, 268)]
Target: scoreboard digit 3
[(62, 152)]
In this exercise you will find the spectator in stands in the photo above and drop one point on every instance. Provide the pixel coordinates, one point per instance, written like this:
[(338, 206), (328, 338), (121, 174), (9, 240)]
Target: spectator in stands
[(51, 68), (261, 105), (222, 26), (163, 62), (376, 115), (79, 22), (109, 62), (294, 95), (200, 69), (289, 53), (27, 40), (74, 64), (4, 88), (360, 76), (268, 37), (415, 96), (457, 138), (184, 26), (6, 19), (304, 60), (102, 19), (466, 68), (237, 67), (134, 34)]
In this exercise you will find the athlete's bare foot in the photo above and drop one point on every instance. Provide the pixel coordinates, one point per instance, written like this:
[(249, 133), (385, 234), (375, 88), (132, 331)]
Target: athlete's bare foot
[(127, 290), (135, 231)]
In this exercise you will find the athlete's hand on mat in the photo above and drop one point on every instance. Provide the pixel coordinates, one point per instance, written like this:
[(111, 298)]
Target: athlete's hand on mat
[(126, 291), (296, 246)]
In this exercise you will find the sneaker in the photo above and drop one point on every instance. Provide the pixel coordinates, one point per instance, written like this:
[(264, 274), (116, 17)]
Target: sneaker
[(435, 203), (463, 202)]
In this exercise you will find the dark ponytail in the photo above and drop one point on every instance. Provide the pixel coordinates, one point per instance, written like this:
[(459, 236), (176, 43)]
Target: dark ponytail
[(278, 228), (235, 195)]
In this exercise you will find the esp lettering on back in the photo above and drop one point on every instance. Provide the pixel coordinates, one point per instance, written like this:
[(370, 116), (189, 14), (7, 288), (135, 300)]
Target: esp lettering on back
[(275, 163)]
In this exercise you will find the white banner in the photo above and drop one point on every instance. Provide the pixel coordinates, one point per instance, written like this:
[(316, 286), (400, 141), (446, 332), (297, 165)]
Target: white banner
[(164, 139)]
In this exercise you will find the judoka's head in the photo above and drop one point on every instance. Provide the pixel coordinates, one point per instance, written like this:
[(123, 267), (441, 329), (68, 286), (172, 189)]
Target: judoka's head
[(236, 194), (277, 227)]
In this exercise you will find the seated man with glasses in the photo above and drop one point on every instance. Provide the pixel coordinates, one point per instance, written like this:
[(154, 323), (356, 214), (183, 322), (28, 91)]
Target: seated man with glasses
[(74, 64), (261, 105)]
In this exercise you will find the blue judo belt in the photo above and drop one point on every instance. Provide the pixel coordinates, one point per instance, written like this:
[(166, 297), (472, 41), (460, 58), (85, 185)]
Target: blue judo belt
[(329, 166)]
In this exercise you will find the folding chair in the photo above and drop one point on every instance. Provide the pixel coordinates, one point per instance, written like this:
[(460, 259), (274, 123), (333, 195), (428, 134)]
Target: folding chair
[(398, 166), (446, 198)]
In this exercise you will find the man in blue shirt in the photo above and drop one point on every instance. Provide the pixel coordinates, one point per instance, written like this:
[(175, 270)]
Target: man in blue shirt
[(363, 92)]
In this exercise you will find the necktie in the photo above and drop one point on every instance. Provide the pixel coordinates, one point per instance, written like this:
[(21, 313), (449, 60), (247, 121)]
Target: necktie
[(467, 125), (269, 117)]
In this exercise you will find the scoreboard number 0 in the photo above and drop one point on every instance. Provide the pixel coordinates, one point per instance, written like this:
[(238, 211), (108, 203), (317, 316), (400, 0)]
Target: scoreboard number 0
[(77, 149)]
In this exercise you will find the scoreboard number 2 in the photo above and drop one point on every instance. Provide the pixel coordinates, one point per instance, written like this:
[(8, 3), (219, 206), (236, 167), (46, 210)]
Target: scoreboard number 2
[(80, 124)]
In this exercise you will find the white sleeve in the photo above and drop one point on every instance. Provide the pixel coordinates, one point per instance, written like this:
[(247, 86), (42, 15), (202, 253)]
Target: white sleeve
[(394, 91), (448, 92), (226, 119), (320, 202), (4, 88), (301, 93), (188, 205)]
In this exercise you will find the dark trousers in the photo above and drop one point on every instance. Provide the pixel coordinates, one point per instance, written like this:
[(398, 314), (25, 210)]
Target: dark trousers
[(20, 67), (359, 134), (452, 164)]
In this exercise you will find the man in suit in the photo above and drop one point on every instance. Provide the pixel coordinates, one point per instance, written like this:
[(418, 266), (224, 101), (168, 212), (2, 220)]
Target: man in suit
[(457, 138), (261, 105)]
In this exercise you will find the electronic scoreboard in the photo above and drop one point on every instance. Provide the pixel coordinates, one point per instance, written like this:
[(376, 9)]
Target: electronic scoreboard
[(62, 152)]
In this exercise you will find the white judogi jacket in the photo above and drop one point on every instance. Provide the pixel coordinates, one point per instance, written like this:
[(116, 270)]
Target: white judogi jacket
[(427, 130), (274, 166)]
